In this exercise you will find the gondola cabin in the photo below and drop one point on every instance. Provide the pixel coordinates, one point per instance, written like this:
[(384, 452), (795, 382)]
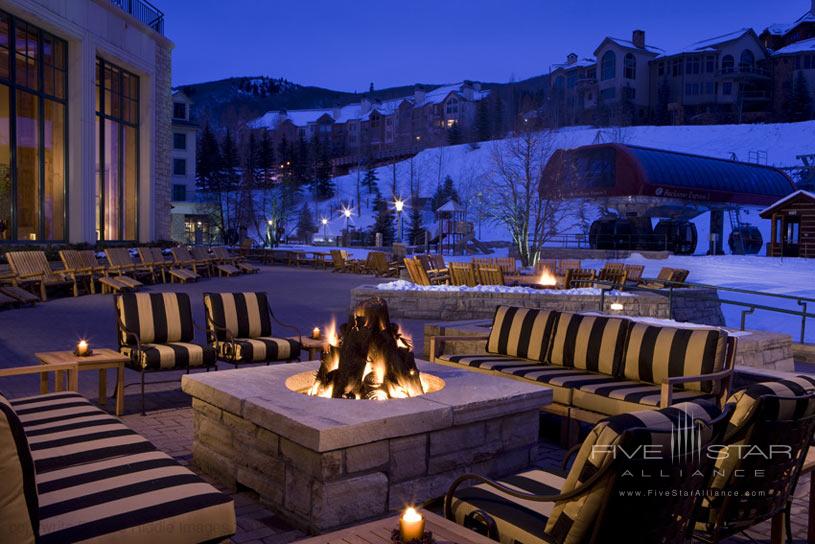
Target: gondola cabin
[(793, 225)]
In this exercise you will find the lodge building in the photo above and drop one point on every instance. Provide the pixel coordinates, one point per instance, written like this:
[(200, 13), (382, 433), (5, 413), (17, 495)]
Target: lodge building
[(84, 122)]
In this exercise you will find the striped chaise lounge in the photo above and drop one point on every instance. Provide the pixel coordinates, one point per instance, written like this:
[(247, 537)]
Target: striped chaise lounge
[(605, 495), (598, 365), (156, 331), (239, 328), (73, 473), (757, 469)]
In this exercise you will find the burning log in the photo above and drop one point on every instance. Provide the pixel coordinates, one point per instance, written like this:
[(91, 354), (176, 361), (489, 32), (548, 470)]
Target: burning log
[(370, 359)]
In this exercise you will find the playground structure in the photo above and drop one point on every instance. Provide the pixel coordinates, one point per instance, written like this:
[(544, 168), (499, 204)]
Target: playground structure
[(454, 235)]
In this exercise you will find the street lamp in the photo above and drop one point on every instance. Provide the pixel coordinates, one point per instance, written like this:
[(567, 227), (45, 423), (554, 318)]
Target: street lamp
[(399, 204), (347, 213), (269, 225), (324, 221)]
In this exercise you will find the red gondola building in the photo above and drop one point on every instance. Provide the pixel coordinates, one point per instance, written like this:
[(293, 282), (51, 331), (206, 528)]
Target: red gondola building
[(793, 226)]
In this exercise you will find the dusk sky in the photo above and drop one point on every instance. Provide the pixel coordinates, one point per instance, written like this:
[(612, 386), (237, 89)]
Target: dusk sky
[(346, 45)]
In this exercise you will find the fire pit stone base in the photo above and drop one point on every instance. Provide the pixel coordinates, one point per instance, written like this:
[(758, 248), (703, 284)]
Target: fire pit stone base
[(325, 463)]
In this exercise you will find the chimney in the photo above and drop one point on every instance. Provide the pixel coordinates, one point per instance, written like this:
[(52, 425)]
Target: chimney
[(638, 38), (571, 58), (418, 95)]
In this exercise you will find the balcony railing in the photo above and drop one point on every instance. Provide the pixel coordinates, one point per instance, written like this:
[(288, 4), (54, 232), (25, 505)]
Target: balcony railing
[(144, 11), (743, 71)]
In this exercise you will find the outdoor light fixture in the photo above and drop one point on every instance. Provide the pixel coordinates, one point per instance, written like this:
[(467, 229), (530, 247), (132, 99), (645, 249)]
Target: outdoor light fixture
[(347, 213), (270, 222), (324, 221), (616, 306), (399, 205)]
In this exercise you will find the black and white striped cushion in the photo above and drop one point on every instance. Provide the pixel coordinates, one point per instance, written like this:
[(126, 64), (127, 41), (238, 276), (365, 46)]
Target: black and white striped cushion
[(589, 342), (156, 317), (19, 518), (521, 332), (142, 497), (245, 315), (65, 429), (170, 356), (260, 349)]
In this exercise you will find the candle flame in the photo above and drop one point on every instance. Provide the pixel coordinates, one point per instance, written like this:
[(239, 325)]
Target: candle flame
[(411, 514)]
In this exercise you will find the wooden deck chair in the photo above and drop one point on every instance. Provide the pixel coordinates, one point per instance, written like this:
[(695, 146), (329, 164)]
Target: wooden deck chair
[(339, 258), (122, 267), (564, 265), (680, 275), (634, 273), (462, 274), (203, 259), (614, 278), (183, 260), (31, 269), (416, 271), (225, 267), (8, 289), (157, 267), (381, 266), (78, 270), (109, 284), (508, 265), (482, 261), (201, 254), (225, 257), (429, 263), (490, 275), (577, 278), (614, 266), (665, 275)]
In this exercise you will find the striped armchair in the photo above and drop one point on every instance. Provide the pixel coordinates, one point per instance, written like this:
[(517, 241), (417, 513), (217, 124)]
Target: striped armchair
[(605, 497), (156, 331), (239, 328)]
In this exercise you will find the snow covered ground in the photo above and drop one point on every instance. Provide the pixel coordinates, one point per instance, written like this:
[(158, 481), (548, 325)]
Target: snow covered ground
[(469, 165)]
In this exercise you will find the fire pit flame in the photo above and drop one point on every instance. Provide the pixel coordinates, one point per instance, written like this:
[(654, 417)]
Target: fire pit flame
[(547, 278), (367, 358)]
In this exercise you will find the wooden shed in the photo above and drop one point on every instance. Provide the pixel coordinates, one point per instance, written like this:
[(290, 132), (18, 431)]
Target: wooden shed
[(793, 225)]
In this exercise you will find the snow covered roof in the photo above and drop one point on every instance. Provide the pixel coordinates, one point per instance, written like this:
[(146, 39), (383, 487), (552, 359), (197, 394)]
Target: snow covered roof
[(630, 45), (780, 29), (579, 63), (450, 206), (360, 111), (710, 44), (803, 46), (775, 205)]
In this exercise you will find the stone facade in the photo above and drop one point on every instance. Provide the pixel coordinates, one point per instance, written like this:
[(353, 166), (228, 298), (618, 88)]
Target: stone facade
[(697, 305), (326, 463), (162, 185)]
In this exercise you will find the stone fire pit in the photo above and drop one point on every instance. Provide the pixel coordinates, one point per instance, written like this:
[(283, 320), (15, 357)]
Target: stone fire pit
[(323, 463)]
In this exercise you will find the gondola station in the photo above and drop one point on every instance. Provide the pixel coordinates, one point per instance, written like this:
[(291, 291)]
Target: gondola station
[(793, 225)]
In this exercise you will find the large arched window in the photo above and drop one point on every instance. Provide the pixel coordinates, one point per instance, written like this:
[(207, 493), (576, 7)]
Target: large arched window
[(608, 65), (630, 66), (727, 64), (747, 61)]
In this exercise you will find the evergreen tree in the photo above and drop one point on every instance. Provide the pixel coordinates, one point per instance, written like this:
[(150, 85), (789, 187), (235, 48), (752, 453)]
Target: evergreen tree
[(266, 158), (384, 221), (454, 134), (801, 106), (415, 227), (323, 185), (482, 121), (207, 162), (444, 192), (369, 181), (230, 182), (306, 227)]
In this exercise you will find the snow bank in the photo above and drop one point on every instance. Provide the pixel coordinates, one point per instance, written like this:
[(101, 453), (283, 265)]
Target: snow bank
[(403, 285)]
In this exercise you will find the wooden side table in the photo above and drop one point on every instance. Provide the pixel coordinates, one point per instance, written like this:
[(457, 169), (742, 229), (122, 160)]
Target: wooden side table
[(314, 347), (379, 532), (101, 360)]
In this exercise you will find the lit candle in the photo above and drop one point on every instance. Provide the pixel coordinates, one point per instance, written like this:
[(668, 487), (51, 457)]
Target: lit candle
[(315, 333), (82, 348), (411, 525)]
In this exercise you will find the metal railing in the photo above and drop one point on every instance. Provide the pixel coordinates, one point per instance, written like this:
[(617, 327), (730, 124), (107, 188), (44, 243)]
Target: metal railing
[(144, 11), (802, 302), (654, 242)]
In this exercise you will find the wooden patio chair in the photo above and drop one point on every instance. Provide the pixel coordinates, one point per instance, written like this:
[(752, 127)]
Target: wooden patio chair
[(564, 265), (634, 273), (379, 263), (157, 266), (508, 265), (31, 269), (577, 278), (665, 275), (775, 421), (462, 274), (605, 496), (122, 267), (177, 274), (489, 275), (615, 278), (680, 275), (183, 260), (8, 289), (416, 271), (201, 254), (78, 269), (435, 268), (613, 266), (339, 258), (482, 261), (202, 259), (225, 257), (107, 283)]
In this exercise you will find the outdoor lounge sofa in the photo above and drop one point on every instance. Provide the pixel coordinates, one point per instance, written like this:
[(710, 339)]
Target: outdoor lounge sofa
[(156, 331), (600, 365), (73, 473), (239, 329), (604, 498)]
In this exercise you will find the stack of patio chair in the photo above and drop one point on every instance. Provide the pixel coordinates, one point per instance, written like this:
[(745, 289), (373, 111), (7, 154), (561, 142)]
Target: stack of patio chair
[(605, 497), (122, 267), (378, 262), (184, 262), (489, 275), (239, 328), (225, 258), (31, 269), (462, 274), (156, 331), (577, 278)]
